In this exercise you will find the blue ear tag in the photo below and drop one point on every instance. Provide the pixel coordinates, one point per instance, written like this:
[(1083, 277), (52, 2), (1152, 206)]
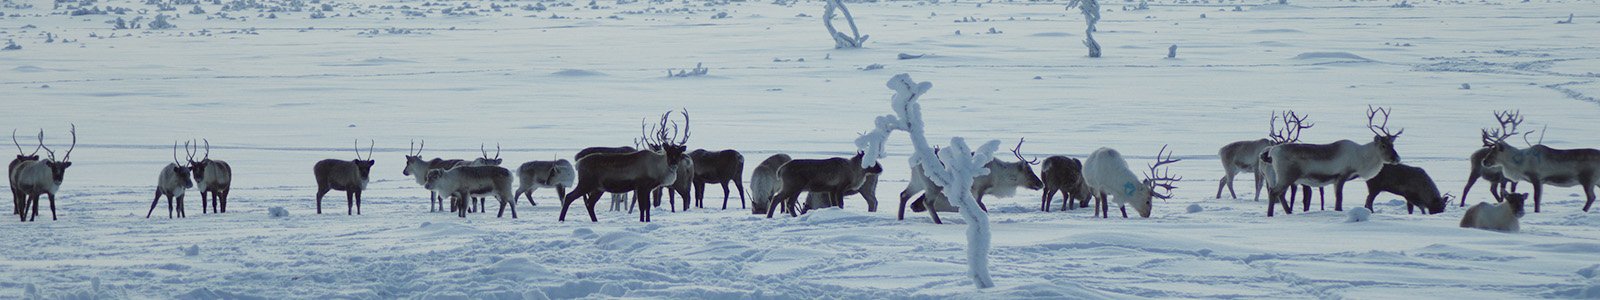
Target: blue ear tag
[(1129, 188)]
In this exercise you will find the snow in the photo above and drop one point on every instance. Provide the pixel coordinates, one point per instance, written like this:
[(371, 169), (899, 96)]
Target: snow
[(276, 95)]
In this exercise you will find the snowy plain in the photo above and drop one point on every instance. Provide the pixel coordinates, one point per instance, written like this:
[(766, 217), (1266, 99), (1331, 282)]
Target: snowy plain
[(274, 95)]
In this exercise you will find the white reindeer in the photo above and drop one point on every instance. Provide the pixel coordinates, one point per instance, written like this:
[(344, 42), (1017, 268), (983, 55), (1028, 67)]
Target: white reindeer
[(1107, 174), (172, 182), (418, 169)]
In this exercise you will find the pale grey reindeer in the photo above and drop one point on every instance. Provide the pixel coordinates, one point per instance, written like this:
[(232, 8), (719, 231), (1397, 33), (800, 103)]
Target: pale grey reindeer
[(1002, 181), (418, 169), (11, 171), (1540, 165), (1497, 217), (213, 179), (460, 183), (1245, 156), (172, 182), (350, 176), (1335, 163), (533, 175), (42, 177), (640, 172), (835, 176), (764, 182), (476, 202), (1499, 184), (1065, 175), (1107, 174), (719, 167)]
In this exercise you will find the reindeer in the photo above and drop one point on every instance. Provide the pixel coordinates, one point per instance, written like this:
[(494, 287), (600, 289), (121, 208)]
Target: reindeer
[(485, 160), (1106, 173), (718, 167), (1335, 163), (1497, 217), (1409, 182), (836, 176), (1499, 185), (616, 198), (1540, 165), (462, 182), (868, 191), (1002, 181), (11, 170), (679, 188), (349, 176), (639, 172), (418, 169), (537, 174), (174, 180), (41, 177), (1245, 156), (1065, 175), (214, 179), (764, 182)]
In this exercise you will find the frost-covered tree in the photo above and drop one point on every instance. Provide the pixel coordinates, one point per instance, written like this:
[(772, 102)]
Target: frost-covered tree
[(1091, 15), (840, 40), (952, 169)]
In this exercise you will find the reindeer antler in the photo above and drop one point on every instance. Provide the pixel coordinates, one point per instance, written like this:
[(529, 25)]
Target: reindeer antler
[(208, 149), (356, 144), (1160, 177), (19, 144), (175, 151), (1509, 120), (47, 150), (685, 113), (481, 150), (1293, 124), (1018, 152), (188, 151), (74, 145), (1380, 128), (370, 145), (497, 150)]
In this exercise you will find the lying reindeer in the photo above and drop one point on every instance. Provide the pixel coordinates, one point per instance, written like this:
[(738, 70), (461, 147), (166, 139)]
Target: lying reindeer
[(1498, 217)]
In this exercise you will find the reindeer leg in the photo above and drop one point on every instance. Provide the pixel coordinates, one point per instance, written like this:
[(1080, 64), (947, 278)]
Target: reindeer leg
[(1231, 193), (321, 190), (725, 195), (153, 205), (1588, 192), (1274, 194), (566, 201), (171, 212), (1259, 182), (1305, 205), (934, 213), (349, 203), (1473, 178), (35, 208), (979, 199), (1124, 209), (903, 200), (1338, 195), (225, 192), (1044, 200), (182, 213), (739, 184), (1322, 198), (589, 203), (52, 206)]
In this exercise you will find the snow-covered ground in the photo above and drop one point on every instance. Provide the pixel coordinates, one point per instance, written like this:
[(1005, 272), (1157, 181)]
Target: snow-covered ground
[(274, 95)]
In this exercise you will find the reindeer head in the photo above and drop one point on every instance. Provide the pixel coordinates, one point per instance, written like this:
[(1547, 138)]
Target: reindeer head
[(21, 157), (485, 160), (1516, 200), (667, 144), (1158, 177), (1293, 124), (180, 169), (1495, 140), (199, 166), (365, 165), (1436, 204), (414, 162), (59, 167), (432, 178), (1381, 135), (1024, 175)]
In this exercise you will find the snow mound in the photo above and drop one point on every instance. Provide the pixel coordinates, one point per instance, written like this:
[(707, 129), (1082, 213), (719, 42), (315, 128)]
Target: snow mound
[(1359, 214), (208, 294), (1052, 291), (625, 241), (577, 73), (835, 216), (1279, 30), (1051, 34), (1195, 208), (28, 69), (192, 250), (371, 62), (277, 212), (517, 269), (428, 229), (1330, 55)]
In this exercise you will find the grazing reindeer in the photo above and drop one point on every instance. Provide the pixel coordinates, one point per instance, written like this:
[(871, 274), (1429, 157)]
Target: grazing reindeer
[(418, 169), (1106, 173), (349, 176), (718, 167), (1409, 182), (1499, 216), (1002, 181), (1540, 165), (214, 179), (835, 176), (764, 182), (537, 174), (639, 172), (1335, 163), (1063, 174), (1245, 156), (1499, 185), (11, 171), (41, 177), (174, 180), (460, 183)]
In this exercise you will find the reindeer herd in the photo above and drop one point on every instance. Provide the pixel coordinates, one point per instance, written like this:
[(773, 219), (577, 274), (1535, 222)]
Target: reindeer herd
[(660, 164)]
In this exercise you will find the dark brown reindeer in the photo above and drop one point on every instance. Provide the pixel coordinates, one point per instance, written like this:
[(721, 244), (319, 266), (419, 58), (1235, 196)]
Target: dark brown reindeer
[(1245, 156), (1541, 165), (719, 167), (639, 172), (172, 182), (835, 176), (42, 177), (616, 198), (1064, 175), (1411, 183), (214, 179), (11, 171), (1322, 164), (350, 176)]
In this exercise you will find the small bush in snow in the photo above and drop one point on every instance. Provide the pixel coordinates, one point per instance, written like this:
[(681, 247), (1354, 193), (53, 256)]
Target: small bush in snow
[(191, 250), (277, 212), (1195, 208), (698, 70), (11, 45), (161, 23), (1358, 214)]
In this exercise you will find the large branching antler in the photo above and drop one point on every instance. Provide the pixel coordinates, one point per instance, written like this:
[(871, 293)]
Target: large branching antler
[(1380, 128), (1293, 124), (1509, 120), (1161, 176), (1018, 152)]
